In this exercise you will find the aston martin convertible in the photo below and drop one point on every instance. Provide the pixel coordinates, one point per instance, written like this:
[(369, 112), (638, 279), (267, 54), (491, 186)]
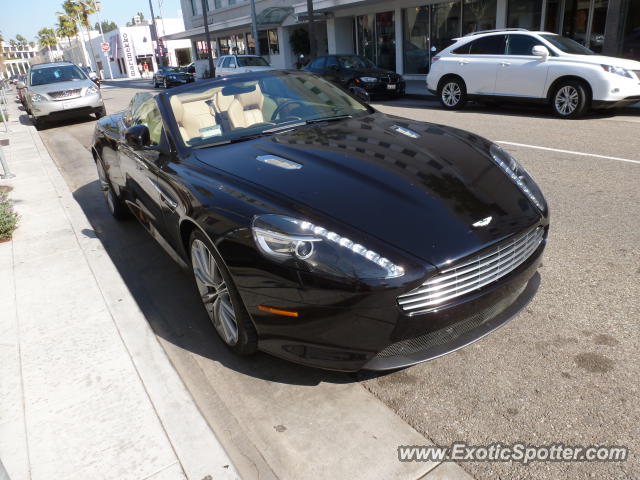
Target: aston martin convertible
[(320, 230)]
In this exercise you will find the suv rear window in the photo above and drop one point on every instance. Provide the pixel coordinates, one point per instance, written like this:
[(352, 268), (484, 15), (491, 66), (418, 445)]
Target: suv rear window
[(252, 62), (491, 45)]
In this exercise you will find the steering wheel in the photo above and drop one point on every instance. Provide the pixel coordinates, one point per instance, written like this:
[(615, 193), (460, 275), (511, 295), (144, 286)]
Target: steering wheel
[(283, 105)]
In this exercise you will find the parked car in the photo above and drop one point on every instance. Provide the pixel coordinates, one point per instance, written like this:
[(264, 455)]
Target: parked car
[(320, 230), (60, 90), (92, 75), (189, 70), (350, 71), (171, 76), (518, 65), (232, 64)]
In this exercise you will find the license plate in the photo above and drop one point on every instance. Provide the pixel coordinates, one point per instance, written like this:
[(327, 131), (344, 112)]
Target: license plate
[(67, 105), (391, 87)]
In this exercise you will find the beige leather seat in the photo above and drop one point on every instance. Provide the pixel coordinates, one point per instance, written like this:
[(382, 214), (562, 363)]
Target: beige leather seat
[(250, 108), (192, 114)]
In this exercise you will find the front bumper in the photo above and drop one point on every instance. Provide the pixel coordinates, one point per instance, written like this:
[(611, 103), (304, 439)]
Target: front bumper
[(380, 88), (350, 331), (68, 108), (624, 102), (179, 81)]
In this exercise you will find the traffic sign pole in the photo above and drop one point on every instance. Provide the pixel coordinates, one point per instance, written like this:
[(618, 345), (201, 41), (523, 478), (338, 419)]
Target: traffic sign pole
[(106, 52)]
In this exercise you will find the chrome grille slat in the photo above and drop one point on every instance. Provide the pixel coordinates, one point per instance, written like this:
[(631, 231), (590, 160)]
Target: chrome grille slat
[(473, 274), (64, 94), (475, 267)]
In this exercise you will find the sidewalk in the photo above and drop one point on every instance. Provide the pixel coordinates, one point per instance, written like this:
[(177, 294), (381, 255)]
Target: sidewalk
[(86, 391)]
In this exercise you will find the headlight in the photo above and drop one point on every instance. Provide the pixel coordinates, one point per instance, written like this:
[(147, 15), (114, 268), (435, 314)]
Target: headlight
[(368, 79), (37, 98), (92, 90), (617, 70), (313, 248), (519, 176)]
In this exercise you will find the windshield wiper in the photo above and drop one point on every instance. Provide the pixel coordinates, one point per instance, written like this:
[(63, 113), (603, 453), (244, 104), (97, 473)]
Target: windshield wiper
[(329, 119)]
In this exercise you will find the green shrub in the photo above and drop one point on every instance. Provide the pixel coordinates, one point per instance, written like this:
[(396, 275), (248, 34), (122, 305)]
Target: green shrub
[(8, 217)]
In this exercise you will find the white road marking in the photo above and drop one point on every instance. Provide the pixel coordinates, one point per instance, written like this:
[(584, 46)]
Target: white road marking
[(571, 152)]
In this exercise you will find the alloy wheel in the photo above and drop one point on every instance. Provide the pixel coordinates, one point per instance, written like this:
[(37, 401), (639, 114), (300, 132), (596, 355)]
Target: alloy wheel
[(566, 100), (214, 292), (451, 94)]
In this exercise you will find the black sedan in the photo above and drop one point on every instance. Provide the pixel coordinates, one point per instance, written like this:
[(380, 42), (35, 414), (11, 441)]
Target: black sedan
[(171, 76), (320, 230), (350, 71)]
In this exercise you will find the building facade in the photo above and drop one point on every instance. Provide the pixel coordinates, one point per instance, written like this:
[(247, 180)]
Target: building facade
[(401, 35), (16, 59)]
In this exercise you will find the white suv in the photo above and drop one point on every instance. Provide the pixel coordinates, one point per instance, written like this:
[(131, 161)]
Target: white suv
[(231, 64), (516, 64)]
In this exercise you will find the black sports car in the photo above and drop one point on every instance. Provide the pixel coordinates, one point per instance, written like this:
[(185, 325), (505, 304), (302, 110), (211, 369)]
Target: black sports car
[(320, 230), (350, 71), (171, 76)]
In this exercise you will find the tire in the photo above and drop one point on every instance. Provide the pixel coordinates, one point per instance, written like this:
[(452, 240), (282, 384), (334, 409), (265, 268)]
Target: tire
[(452, 93), (116, 206), (220, 297), (39, 123), (570, 100), (101, 113)]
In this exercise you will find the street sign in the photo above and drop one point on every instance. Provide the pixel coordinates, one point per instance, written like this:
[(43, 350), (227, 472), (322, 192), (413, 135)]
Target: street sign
[(105, 46)]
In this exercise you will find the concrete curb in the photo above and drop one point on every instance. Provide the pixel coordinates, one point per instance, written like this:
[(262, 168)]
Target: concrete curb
[(198, 452)]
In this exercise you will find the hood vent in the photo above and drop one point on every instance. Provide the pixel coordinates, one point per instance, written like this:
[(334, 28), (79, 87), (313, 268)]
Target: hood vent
[(405, 131), (279, 162)]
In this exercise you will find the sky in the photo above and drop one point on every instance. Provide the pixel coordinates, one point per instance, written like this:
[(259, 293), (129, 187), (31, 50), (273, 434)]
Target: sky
[(26, 17)]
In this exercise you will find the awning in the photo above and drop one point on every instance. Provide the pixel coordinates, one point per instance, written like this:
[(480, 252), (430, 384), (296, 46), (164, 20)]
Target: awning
[(185, 34), (273, 16)]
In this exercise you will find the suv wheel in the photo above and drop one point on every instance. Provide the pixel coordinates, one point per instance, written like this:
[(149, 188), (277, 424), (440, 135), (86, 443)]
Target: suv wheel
[(452, 93), (39, 123), (220, 297), (569, 100)]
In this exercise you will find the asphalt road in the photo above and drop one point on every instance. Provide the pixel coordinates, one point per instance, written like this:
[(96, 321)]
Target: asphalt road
[(564, 371)]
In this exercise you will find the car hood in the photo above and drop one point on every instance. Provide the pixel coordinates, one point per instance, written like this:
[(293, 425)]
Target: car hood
[(604, 60), (420, 195), (372, 72)]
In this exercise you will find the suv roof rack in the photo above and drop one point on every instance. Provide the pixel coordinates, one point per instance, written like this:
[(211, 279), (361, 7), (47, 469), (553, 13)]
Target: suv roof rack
[(496, 30)]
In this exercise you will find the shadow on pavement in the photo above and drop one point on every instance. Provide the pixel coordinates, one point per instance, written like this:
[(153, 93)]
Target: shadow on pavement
[(168, 298), (508, 109)]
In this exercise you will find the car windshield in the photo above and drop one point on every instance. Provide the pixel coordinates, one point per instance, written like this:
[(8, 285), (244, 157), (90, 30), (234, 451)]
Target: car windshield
[(218, 112), (171, 69), (55, 74), (567, 45), (252, 62), (354, 62)]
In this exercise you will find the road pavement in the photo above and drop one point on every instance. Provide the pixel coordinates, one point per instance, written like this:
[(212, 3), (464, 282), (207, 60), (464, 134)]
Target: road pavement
[(565, 370)]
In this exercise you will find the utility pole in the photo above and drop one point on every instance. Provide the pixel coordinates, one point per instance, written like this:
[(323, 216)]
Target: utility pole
[(254, 28), (312, 30), (207, 35), (154, 38), (106, 54)]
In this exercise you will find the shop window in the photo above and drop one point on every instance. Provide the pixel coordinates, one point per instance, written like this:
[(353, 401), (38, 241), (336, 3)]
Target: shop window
[(631, 33), (202, 52), (478, 15), (376, 38), (524, 14), (274, 46)]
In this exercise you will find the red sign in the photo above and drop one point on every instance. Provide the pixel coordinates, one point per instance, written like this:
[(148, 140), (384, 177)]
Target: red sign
[(105, 46)]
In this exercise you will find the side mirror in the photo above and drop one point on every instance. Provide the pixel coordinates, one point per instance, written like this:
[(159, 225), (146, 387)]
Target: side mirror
[(540, 51), (20, 85), (361, 94), (137, 137)]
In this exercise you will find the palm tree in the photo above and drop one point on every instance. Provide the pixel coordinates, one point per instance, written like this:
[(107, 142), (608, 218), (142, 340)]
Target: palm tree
[(22, 42), (47, 38), (80, 11), (66, 28)]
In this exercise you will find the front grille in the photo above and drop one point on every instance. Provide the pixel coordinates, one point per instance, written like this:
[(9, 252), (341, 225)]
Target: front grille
[(64, 94), (473, 273)]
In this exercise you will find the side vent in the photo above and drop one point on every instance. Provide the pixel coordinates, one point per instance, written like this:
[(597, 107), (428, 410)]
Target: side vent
[(405, 131), (279, 162)]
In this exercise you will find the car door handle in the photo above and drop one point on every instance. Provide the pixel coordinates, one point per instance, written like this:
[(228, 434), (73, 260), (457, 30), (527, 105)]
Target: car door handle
[(463, 62), (163, 196), (505, 64)]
